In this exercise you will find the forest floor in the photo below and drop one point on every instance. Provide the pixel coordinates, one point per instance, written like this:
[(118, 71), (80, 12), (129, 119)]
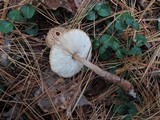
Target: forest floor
[(125, 36)]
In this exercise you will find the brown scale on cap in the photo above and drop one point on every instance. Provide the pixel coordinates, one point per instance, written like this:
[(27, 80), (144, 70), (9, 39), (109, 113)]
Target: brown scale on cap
[(53, 35)]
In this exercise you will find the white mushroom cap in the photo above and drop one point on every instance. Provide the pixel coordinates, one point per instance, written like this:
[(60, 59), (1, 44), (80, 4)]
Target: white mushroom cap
[(53, 35), (74, 41)]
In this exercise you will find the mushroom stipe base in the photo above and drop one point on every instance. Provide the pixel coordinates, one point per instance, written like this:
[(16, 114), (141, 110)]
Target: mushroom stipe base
[(125, 85)]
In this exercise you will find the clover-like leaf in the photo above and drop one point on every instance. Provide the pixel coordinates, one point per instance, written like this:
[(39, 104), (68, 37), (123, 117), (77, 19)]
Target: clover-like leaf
[(102, 50), (104, 56), (6, 26), (119, 25), (15, 15), (140, 40), (104, 10), (98, 6), (129, 19), (135, 51), (32, 29), (135, 25), (104, 39), (92, 15), (115, 45), (96, 44), (119, 53), (28, 11)]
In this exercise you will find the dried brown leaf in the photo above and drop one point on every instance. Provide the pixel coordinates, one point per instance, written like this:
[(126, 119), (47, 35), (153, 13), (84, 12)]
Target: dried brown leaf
[(59, 92), (70, 5)]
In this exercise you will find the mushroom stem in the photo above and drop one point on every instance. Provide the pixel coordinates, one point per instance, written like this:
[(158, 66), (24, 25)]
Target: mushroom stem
[(125, 85)]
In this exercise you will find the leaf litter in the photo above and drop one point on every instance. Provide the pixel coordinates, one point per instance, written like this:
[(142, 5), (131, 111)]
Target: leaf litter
[(32, 90)]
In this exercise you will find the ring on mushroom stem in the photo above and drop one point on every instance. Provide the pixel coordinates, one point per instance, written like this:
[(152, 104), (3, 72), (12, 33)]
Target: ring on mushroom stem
[(71, 50)]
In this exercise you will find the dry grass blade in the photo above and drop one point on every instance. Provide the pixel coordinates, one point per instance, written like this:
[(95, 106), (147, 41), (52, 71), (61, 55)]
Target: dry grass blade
[(30, 90)]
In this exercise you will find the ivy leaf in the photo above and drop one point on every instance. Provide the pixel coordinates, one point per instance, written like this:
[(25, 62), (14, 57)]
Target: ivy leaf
[(28, 11), (32, 29), (6, 26), (120, 25), (135, 25), (92, 15), (140, 40), (15, 15)]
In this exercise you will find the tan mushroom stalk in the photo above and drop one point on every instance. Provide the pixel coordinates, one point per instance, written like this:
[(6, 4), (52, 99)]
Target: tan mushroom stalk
[(72, 50)]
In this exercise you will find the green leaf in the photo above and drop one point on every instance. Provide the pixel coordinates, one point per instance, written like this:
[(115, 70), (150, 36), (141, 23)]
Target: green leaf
[(115, 45), (120, 25), (104, 11), (6, 26), (104, 56), (28, 11), (135, 51), (121, 95), (123, 16), (140, 40), (135, 25), (119, 53), (92, 15), (158, 25), (111, 28), (129, 20), (15, 15), (98, 6), (96, 44), (1, 89), (108, 41), (104, 39), (102, 50), (32, 29), (120, 109), (111, 42), (132, 109)]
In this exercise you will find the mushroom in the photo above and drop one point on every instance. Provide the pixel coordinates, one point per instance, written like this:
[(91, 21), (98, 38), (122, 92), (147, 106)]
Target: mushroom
[(61, 54), (72, 50), (53, 35)]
